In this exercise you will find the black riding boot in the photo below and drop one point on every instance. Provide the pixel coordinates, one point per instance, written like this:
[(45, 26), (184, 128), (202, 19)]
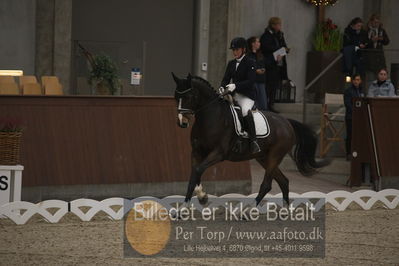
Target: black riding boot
[(249, 121)]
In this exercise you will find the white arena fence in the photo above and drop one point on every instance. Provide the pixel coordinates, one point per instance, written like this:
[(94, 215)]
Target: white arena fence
[(20, 212)]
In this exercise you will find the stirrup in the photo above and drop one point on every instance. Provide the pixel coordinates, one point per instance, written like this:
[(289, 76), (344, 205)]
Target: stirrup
[(254, 147), (237, 148)]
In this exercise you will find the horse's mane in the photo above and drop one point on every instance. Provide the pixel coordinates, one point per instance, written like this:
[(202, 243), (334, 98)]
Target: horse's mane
[(203, 82)]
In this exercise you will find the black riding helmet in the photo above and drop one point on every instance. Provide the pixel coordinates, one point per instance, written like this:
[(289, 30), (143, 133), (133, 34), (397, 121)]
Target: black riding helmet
[(238, 42)]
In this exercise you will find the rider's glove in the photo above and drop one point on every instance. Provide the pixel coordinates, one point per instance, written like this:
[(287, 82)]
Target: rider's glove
[(221, 90), (231, 87)]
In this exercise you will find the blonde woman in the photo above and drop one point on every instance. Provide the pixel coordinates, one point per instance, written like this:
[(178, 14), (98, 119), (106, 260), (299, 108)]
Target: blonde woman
[(276, 69)]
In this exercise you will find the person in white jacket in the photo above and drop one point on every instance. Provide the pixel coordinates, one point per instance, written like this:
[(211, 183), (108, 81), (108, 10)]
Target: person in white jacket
[(382, 86)]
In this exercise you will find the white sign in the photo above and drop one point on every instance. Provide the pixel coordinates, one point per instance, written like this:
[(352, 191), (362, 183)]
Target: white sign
[(10, 183), (5, 178), (135, 76)]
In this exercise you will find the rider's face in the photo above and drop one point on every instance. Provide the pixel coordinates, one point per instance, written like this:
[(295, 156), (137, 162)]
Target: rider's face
[(238, 53)]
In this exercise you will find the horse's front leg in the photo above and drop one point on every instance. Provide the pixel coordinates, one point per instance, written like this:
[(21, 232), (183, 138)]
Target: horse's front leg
[(197, 169)]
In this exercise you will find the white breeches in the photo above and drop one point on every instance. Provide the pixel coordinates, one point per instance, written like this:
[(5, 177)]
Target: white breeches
[(245, 103)]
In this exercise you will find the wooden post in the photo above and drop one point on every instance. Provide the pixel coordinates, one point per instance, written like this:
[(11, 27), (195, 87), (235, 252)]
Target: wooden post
[(321, 13), (322, 130)]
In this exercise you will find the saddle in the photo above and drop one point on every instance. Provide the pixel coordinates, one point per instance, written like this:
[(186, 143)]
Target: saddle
[(261, 124)]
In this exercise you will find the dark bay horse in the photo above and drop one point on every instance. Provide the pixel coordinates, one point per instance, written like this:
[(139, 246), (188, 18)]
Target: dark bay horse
[(213, 138)]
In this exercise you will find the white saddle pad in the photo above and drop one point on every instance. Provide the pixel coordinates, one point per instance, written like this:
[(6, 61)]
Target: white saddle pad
[(261, 124)]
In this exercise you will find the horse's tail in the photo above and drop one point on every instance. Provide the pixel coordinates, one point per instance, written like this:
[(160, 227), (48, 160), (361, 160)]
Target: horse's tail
[(305, 149)]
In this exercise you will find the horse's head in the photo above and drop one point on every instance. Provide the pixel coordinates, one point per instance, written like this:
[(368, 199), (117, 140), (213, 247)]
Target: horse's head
[(186, 98)]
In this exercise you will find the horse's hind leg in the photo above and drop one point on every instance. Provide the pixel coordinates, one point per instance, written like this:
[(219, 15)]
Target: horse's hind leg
[(283, 183), (269, 165)]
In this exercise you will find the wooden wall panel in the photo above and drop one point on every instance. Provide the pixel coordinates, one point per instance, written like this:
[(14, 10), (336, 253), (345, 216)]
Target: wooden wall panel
[(384, 113), (99, 140), (361, 142)]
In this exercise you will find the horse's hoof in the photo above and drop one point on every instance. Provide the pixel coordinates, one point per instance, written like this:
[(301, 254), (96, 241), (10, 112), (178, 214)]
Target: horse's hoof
[(174, 215), (286, 203), (203, 200), (257, 201)]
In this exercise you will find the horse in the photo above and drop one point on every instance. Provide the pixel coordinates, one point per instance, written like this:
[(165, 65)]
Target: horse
[(213, 139)]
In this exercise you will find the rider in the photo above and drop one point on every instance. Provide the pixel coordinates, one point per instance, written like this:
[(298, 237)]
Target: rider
[(239, 80)]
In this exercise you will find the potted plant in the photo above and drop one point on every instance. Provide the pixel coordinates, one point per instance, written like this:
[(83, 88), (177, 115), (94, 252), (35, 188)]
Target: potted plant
[(327, 37), (103, 75), (10, 141), (327, 43)]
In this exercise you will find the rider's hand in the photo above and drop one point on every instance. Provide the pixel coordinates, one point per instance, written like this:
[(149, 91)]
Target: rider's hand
[(220, 90), (231, 87)]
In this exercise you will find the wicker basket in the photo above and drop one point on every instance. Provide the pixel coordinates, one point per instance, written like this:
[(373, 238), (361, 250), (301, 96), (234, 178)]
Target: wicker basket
[(9, 147)]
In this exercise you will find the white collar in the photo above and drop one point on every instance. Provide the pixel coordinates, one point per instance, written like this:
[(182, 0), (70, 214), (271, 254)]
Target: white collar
[(239, 59)]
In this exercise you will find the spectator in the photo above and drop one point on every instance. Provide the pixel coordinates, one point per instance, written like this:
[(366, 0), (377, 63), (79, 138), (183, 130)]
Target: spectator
[(377, 38), (255, 53), (382, 86), (276, 70), (353, 91), (355, 38)]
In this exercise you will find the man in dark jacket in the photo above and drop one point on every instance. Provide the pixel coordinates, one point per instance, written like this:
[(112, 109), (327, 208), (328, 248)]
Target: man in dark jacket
[(355, 38), (355, 90), (239, 80), (276, 70)]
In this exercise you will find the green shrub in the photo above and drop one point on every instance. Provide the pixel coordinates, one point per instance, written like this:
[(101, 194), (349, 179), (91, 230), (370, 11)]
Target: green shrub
[(104, 69)]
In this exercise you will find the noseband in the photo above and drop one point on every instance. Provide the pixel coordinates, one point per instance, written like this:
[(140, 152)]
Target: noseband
[(181, 110)]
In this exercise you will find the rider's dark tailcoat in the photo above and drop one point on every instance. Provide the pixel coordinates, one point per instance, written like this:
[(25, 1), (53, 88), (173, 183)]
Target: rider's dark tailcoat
[(244, 77)]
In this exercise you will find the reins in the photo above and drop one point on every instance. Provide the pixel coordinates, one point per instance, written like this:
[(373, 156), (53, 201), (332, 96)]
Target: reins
[(193, 112), (206, 105)]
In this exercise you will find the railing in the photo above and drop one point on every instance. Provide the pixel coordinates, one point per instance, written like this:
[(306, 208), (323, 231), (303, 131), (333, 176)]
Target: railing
[(388, 198), (322, 73)]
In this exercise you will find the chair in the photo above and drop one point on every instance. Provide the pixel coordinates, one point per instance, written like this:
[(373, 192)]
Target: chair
[(31, 89), (26, 79), (9, 89), (52, 85), (53, 89), (50, 79), (7, 79), (332, 124)]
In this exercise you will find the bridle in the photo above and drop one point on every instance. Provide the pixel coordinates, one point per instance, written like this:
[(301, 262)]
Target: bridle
[(184, 111)]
